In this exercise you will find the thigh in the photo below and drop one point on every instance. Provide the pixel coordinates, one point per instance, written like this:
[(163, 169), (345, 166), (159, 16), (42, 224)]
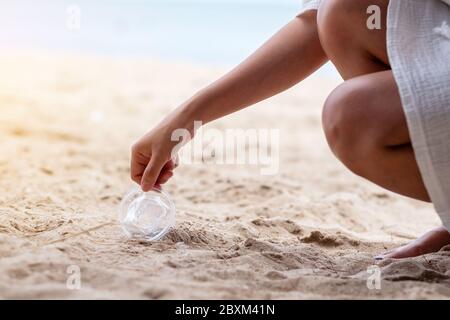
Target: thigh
[(347, 37)]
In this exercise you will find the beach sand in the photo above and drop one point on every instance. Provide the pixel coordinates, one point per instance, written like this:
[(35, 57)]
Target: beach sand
[(309, 232)]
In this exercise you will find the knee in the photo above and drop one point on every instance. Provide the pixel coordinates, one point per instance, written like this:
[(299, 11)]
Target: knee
[(333, 19), (348, 128), (338, 121), (339, 20)]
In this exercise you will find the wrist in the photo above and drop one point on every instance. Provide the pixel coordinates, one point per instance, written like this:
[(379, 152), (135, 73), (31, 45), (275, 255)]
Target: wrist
[(191, 113)]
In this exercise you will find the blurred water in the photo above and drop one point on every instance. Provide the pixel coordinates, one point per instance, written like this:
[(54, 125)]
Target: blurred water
[(216, 32)]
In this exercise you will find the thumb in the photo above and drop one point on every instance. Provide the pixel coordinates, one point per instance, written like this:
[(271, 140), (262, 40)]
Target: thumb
[(152, 172)]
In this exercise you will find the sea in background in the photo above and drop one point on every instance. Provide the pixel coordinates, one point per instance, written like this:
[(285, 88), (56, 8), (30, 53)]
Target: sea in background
[(207, 32)]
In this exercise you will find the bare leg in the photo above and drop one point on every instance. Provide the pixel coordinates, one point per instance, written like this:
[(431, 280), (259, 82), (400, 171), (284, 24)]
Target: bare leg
[(363, 118), (366, 129)]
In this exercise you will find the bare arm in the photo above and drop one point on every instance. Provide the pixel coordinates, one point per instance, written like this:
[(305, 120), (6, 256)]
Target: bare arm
[(287, 58)]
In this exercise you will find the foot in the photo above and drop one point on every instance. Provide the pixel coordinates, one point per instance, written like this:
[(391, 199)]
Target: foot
[(432, 241)]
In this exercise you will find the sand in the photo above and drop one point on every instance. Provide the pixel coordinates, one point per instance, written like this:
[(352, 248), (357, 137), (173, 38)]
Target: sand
[(310, 232)]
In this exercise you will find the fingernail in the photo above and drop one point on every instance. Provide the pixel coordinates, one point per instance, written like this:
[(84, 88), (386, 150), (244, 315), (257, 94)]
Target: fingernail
[(378, 258)]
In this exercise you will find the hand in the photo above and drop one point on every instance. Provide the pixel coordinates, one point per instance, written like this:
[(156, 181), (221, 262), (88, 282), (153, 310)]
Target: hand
[(151, 159)]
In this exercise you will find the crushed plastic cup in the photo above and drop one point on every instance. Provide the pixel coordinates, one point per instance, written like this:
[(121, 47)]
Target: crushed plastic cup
[(147, 215)]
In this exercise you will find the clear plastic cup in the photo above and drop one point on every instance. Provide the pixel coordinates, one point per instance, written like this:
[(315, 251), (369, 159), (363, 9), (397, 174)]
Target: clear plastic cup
[(147, 215)]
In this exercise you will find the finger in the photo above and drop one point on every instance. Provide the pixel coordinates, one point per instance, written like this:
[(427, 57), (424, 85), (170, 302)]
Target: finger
[(172, 164), (138, 164), (137, 179), (136, 172), (164, 177), (152, 172), (168, 166)]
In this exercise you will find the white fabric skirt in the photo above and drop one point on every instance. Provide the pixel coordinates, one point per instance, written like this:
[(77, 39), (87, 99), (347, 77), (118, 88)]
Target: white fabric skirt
[(418, 44)]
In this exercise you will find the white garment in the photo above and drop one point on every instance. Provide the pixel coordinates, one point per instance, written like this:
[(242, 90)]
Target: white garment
[(311, 5), (418, 45)]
